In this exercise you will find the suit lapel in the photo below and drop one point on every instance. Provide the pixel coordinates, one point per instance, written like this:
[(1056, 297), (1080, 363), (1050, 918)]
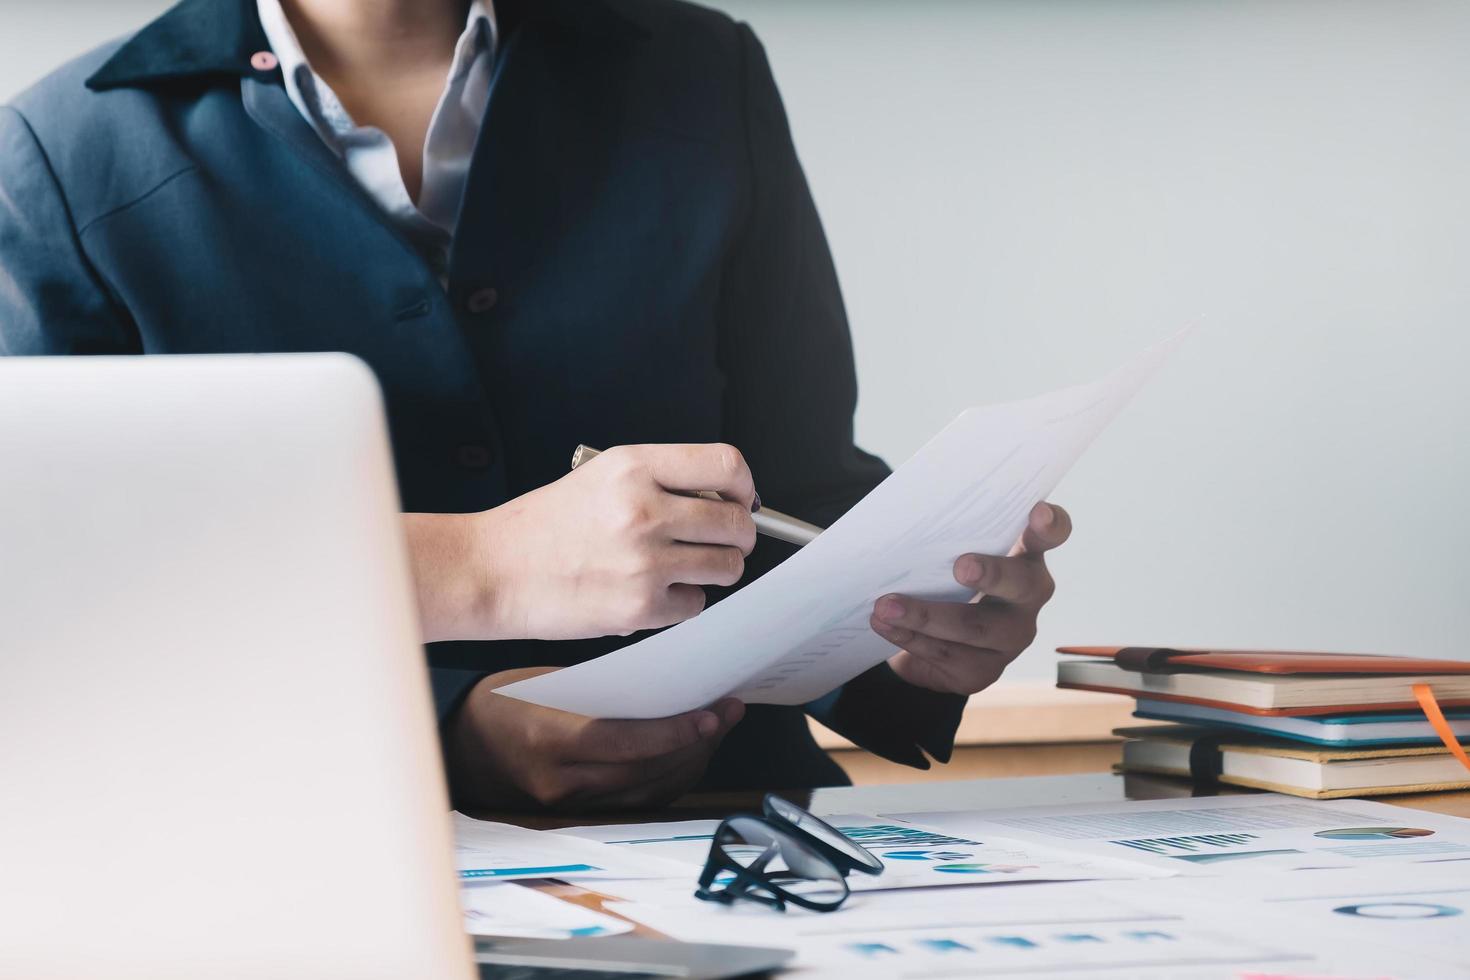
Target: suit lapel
[(553, 120), (267, 103)]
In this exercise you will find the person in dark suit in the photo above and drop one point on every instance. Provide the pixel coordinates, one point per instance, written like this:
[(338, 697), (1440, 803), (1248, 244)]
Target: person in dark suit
[(541, 223)]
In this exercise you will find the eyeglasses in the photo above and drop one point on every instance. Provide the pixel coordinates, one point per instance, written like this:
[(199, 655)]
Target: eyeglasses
[(785, 855)]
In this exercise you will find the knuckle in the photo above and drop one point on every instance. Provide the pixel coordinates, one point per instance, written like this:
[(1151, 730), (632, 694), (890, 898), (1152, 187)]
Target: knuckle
[(729, 566), (740, 527), (1046, 587), (548, 788), (730, 461), (737, 517), (932, 648), (540, 740), (621, 745), (643, 610), (977, 620), (690, 601), (641, 566), (623, 462), (632, 516)]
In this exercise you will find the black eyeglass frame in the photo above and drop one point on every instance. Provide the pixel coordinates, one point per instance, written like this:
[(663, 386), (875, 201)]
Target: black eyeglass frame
[(844, 862), (751, 882)]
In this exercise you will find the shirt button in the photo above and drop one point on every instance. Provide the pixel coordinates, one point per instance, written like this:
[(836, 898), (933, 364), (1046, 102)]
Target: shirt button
[(264, 61), (473, 457), (481, 300)]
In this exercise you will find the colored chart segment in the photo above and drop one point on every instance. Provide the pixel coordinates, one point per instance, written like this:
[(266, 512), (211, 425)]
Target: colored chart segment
[(1191, 844), (1374, 833), (548, 870), (983, 869), (1399, 910)]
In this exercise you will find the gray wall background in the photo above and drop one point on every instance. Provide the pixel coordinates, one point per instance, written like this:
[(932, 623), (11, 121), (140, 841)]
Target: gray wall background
[(1021, 193)]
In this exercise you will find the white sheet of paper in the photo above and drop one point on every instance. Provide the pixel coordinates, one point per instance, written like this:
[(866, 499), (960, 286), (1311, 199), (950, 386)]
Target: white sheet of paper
[(802, 629), (1420, 918), (1053, 930), (509, 909), (913, 856), (1227, 835), (486, 851)]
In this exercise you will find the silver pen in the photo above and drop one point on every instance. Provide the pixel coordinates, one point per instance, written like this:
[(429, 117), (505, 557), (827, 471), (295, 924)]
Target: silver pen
[(771, 523)]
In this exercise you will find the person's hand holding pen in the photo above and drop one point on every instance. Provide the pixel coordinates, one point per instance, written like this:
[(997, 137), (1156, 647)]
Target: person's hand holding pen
[(962, 647), (618, 546), (621, 545)]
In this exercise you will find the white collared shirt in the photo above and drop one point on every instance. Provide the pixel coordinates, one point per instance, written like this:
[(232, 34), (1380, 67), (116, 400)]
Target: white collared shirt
[(369, 154)]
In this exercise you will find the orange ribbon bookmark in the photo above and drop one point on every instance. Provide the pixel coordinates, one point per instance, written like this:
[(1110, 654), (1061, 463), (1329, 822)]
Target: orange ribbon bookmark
[(1426, 700)]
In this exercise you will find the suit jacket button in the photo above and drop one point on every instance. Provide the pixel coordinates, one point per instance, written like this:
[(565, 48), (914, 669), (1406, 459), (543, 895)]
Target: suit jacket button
[(473, 457), (481, 300)]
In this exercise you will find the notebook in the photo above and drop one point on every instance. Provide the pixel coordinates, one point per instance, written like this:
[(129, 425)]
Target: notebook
[(1168, 660), (1268, 693), (1387, 728), (1283, 766)]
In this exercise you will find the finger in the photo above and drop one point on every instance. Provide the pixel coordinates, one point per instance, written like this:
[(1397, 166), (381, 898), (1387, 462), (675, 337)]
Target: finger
[(608, 740), (715, 466), (678, 602), (699, 564), (895, 615), (950, 651), (698, 520), (652, 780), (1048, 527), (960, 677), (988, 624), (644, 785), (1022, 579), (729, 713)]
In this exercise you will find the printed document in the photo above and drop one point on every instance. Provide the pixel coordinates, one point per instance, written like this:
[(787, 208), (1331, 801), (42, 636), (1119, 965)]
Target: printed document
[(802, 629), (511, 910), (486, 851), (1228, 835), (913, 856), (1058, 930)]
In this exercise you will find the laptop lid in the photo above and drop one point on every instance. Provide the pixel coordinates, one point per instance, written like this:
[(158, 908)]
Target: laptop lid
[(217, 745)]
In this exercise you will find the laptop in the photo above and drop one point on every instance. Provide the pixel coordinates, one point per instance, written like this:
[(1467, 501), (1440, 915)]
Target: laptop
[(218, 754)]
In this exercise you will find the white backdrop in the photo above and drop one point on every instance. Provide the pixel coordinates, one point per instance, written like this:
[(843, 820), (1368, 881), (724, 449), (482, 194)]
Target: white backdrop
[(1020, 194)]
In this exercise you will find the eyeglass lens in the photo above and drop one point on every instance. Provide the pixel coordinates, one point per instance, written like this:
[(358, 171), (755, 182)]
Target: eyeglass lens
[(860, 856), (781, 859)]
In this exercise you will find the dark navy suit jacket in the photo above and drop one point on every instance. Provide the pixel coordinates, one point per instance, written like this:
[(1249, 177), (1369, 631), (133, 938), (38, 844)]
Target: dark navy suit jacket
[(658, 269)]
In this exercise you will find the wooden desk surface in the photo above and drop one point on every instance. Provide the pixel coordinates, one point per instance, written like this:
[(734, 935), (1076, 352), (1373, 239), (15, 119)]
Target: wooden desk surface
[(969, 794)]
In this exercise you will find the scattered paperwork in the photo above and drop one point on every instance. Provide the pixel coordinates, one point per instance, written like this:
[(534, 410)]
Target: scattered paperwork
[(516, 911), (1047, 930), (1226, 888), (1228, 835), (802, 629), (486, 851), (913, 856)]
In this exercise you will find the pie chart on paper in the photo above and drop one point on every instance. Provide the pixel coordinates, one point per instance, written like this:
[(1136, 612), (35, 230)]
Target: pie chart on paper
[(1374, 833)]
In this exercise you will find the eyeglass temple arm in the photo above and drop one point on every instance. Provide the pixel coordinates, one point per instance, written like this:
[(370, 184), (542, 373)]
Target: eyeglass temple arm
[(745, 878)]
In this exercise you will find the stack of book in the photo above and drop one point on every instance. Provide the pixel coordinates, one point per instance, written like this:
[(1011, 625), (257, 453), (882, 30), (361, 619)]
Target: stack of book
[(1310, 724)]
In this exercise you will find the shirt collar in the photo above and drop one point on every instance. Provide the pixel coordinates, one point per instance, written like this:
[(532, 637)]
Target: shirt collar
[(202, 39), (480, 32)]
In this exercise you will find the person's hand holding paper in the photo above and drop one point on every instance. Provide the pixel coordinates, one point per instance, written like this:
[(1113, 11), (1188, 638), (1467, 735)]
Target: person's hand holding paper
[(506, 753), (810, 625), (963, 647)]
